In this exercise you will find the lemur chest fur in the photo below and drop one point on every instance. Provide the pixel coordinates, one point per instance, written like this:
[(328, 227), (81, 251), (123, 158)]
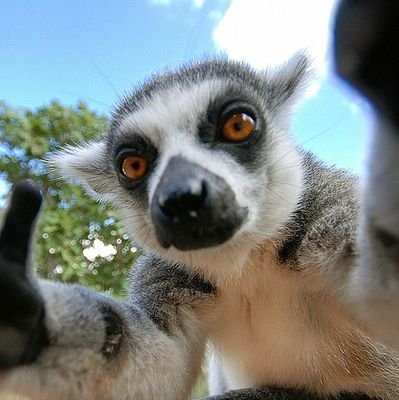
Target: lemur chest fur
[(275, 329)]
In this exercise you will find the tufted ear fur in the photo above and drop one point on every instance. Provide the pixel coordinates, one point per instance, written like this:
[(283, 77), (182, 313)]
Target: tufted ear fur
[(287, 84), (288, 81), (89, 164)]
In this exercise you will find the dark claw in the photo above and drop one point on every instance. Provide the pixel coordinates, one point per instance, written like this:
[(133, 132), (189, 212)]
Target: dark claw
[(22, 331), (367, 50)]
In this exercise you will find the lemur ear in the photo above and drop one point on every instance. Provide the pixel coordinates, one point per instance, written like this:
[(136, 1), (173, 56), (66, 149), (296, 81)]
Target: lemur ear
[(286, 84), (88, 164)]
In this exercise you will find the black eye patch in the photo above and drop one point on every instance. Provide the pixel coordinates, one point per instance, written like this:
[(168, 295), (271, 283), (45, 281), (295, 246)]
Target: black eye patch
[(134, 145), (137, 145), (247, 151)]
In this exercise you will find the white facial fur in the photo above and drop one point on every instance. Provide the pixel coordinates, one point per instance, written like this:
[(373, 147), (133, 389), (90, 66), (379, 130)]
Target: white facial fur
[(169, 120)]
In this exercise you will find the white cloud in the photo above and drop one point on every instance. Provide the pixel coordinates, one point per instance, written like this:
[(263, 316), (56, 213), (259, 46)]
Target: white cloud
[(268, 32), (196, 3)]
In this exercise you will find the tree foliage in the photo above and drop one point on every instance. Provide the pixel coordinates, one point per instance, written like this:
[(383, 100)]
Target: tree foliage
[(72, 228)]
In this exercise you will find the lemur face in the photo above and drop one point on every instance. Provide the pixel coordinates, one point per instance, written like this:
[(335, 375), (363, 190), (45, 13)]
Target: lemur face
[(175, 158), (198, 160)]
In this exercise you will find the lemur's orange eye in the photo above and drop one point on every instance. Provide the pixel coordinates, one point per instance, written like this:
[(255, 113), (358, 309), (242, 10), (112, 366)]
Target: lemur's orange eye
[(238, 127), (134, 167)]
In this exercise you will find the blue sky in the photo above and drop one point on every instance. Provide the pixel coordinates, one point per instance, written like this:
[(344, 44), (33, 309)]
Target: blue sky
[(93, 50)]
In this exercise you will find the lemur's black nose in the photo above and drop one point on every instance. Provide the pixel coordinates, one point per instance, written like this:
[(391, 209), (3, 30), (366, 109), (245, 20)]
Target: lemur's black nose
[(193, 208), (184, 200)]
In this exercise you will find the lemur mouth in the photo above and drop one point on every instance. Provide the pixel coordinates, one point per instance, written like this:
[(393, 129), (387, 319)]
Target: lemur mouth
[(192, 208)]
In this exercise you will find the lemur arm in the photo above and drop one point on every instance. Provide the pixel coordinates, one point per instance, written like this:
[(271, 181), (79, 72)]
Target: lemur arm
[(66, 342), (367, 57)]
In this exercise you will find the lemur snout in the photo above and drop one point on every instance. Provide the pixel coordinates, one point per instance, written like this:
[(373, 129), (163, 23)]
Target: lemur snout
[(193, 208)]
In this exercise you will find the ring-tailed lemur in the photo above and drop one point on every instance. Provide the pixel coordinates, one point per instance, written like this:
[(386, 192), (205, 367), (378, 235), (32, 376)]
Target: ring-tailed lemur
[(253, 245)]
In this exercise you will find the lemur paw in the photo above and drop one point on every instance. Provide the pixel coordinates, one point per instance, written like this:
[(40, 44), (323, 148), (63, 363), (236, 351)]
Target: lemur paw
[(367, 50), (22, 332)]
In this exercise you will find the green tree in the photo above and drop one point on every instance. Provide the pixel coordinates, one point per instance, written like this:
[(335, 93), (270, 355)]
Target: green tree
[(72, 228)]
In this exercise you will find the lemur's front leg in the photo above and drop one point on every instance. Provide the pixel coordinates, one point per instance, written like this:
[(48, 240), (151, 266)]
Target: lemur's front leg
[(22, 330), (79, 344), (367, 56)]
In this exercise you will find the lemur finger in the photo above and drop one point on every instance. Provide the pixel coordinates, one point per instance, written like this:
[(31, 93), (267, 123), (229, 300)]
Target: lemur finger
[(367, 50), (18, 225), (22, 331)]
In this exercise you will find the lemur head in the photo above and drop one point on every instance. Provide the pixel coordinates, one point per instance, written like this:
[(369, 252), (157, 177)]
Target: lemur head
[(199, 161)]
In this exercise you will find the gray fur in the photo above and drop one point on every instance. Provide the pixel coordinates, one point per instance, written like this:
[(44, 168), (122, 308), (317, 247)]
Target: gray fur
[(160, 289), (331, 201)]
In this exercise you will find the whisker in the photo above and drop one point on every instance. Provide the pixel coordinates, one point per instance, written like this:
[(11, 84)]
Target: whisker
[(135, 221), (85, 98), (132, 217), (194, 35), (148, 234), (135, 235), (324, 131), (104, 76), (297, 165), (280, 197), (314, 137), (285, 184)]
